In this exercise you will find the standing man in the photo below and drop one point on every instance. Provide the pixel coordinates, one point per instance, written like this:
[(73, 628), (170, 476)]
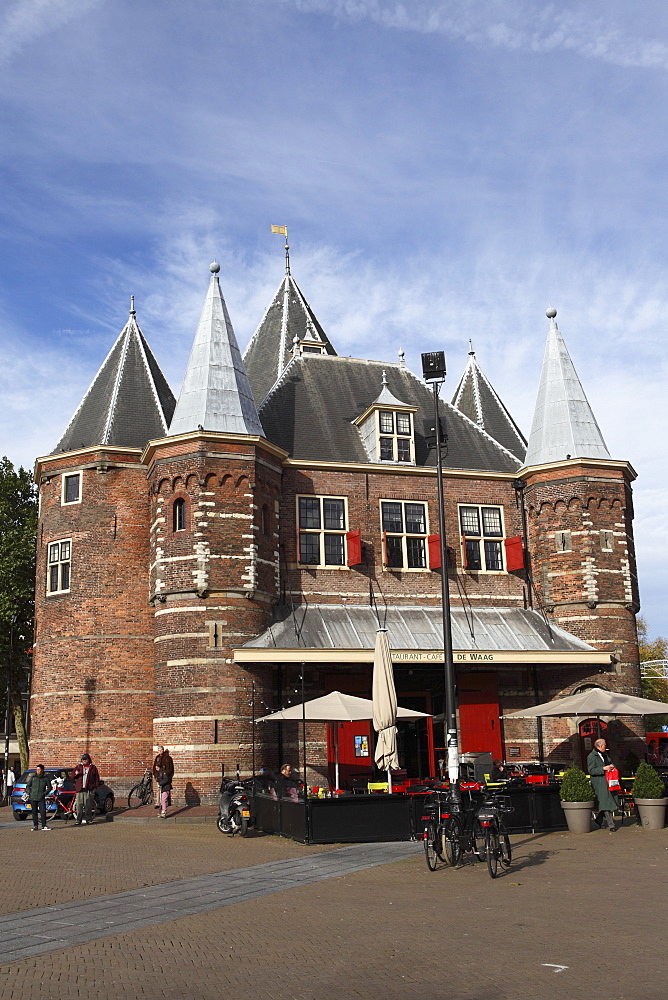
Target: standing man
[(163, 772), (598, 764), (86, 780), (36, 787), (11, 778)]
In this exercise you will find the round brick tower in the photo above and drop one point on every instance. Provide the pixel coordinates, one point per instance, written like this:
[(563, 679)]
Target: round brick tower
[(214, 488), (92, 683), (580, 539)]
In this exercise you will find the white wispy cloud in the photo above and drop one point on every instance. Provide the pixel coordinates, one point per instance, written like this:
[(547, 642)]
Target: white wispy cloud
[(26, 20), (513, 24)]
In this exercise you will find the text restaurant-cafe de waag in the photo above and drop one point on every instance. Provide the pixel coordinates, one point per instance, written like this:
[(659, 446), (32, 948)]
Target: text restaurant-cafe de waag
[(195, 555)]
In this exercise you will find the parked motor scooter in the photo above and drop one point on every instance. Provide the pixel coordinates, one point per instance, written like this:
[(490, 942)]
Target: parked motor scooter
[(234, 812)]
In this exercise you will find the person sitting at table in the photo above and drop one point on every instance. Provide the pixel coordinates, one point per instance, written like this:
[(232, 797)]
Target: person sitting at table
[(499, 771), (287, 784)]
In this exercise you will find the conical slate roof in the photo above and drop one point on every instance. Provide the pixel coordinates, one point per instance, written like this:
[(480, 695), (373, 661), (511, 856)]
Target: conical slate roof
[(129, 401), (476, 398), (289, 317), (215, 395), (564, 425)]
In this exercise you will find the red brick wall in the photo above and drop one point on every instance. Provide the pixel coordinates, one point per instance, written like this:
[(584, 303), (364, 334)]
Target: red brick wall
[(364, 492), (92, 684)]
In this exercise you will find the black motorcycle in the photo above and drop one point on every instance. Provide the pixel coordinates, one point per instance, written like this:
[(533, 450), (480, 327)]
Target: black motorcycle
[(234, 811)]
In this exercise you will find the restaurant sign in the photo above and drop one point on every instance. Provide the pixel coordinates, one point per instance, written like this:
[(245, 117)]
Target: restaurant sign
[(425, 655)]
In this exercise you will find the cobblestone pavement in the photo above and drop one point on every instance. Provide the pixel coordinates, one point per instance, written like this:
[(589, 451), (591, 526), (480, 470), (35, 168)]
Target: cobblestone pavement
[(575, 916)]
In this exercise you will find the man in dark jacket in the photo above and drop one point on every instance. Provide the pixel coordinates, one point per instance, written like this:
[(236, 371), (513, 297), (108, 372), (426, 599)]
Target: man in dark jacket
[(86, 779), (598, 764), (36, 787), (163, 772)]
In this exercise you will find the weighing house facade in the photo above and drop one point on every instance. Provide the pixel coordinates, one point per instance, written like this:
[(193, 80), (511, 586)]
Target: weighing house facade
[(201, 561)]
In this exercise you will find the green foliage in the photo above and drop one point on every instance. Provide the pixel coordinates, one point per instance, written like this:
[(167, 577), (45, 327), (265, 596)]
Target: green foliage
[(18, 518), (576, 786), (648, 783), (657, 649)]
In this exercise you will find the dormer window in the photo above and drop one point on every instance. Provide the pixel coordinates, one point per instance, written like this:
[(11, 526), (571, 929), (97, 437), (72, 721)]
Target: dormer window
[(386, 428), (397, 447)]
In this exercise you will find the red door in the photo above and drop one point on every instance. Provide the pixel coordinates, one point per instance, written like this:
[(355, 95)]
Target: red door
[(479, 724), (356, 749), (355, 739)]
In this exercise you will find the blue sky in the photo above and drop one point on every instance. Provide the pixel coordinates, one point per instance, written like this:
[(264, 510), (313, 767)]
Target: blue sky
[(446, 169)]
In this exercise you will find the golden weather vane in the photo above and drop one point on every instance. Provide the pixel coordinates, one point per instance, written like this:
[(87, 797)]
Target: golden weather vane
[(283, 231)]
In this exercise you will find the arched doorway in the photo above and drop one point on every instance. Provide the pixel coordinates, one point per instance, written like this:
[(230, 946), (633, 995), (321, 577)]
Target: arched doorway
[(589, 731)]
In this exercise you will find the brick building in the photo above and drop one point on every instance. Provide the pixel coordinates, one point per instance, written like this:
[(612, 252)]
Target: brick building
[(201, 561)]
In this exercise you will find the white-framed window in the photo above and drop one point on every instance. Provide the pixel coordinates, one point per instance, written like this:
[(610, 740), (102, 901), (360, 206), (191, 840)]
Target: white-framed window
[(482, 537), (58, 568), (71, 488), (395, 436), (404, 526), (321, 530), (179, 515)]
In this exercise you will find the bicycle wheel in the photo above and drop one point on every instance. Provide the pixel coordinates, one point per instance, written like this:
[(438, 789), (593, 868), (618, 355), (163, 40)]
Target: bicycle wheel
[(431, 854), (451, 840), (478, 841), (492, 850), (139, 796), (506, 849)]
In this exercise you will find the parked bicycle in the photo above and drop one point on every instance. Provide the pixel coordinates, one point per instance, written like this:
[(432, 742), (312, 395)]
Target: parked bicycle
[(497, 842), (60, 804), (452, 830), (142, 793)]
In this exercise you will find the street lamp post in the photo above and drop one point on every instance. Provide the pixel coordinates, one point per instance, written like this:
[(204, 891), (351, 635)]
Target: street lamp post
[(434, 370)]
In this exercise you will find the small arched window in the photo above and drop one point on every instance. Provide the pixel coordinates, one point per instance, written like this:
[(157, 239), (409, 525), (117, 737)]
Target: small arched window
[(179, 514)]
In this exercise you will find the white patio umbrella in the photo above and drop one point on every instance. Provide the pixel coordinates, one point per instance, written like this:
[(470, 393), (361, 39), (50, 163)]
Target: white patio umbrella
[(593, 701), (334, 707), (384, 707)]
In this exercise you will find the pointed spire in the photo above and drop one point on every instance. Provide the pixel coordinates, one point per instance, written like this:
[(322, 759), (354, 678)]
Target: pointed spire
[(129, 401), (288, 319), (564, 425), (387, 398), (215, 395), (476, 398)]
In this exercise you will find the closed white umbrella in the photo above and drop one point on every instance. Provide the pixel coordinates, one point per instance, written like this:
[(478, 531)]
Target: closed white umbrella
[(384, 707), (335, 707), (593, 701)]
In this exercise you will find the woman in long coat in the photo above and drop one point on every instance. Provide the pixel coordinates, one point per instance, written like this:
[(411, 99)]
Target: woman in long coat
[(598, 763)]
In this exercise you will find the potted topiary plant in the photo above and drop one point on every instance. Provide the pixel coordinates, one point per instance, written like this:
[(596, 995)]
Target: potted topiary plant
[(577, 800), (649, 794)]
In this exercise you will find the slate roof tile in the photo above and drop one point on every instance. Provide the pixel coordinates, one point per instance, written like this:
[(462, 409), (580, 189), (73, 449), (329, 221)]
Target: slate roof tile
[(129, 401)]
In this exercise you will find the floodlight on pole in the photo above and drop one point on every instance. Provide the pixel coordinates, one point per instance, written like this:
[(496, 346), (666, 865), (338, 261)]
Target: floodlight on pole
[(434, 371)]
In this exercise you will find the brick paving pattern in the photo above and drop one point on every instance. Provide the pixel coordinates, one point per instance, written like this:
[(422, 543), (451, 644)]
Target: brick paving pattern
[(591, 904)]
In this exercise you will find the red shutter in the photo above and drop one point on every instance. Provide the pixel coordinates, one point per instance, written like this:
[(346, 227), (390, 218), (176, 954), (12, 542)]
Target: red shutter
[(514, 553), (354, 545), (434, 544), (465, 562)]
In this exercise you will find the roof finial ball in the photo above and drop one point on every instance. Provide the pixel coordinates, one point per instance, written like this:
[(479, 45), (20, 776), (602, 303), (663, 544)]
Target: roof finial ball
[(551, 313), (214, 267)]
